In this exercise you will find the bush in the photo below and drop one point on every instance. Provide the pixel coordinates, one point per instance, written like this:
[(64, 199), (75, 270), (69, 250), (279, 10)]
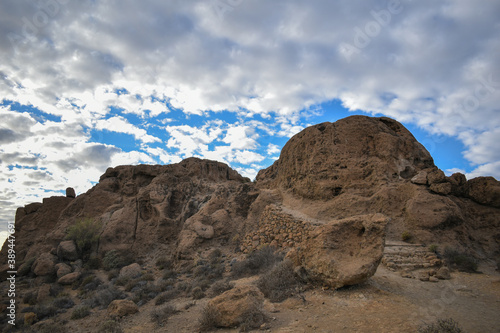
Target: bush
[(145, 293), (80, 312), (441, 326), (433, 248), (166, 296), (197, 293), (279, 283), (85, 234), (209, 318), (110, 326), (254, 317), (256, 262), (30, 298), (160, 316), (104, 296), (64, 302), (406, 236), (460, 260), (163, 262), (114, 260), (45, 310), (220, 287)]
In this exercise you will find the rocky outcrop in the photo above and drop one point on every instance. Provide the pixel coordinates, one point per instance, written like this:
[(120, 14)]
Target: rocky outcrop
[(343, 252), (330, 178)]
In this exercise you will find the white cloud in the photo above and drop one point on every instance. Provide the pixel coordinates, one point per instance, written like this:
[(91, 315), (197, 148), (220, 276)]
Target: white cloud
[(121, 125)]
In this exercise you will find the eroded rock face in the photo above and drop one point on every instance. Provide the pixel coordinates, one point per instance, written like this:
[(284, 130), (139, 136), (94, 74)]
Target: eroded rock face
[(343, 252)]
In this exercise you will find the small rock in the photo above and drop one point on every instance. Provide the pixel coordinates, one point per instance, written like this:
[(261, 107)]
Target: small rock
[(131, 271), (443, 273), (30, 318), (423, 276), (433, 279), (62, 269), (69, 278), (67, 250), (121, 308)]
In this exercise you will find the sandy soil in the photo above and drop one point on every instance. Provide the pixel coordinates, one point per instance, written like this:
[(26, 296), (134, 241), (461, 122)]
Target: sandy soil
[(385, 303)]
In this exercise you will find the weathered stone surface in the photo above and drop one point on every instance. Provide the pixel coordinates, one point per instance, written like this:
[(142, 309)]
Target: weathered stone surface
[(436, 176), (204, 231), (420, 178), (67, 250), (441, 188), (70, 192), (131, 271), (122, 308), (234, 305), (62, 269), (69, 278), (343, 252), (44, 265), (484, 190)]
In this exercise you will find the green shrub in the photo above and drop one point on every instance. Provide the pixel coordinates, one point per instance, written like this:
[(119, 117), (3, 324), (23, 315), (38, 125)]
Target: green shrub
[(114, 260), (85, 234), (45, 310), (406, 236), (104, 296), (460, 260), (433, 248), (64, 302), (110, 326), (80, 312), (278, 283), (160, 316), (441, 326)]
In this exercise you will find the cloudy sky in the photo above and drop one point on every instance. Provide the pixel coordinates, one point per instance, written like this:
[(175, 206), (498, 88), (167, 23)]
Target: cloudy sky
[(88, 84)]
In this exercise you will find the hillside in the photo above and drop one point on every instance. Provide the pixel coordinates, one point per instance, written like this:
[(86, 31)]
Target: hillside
[(155, 246)]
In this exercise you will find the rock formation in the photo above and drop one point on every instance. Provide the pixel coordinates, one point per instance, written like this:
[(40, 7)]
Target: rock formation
[(336, 192)]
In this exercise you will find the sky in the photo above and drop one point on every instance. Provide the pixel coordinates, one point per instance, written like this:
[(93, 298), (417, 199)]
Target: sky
[(90, 84)]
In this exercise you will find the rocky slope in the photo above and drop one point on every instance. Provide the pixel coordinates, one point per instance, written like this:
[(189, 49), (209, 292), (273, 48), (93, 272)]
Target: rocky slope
[(337, 193)]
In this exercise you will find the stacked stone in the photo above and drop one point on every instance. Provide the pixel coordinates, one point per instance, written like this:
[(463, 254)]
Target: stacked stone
[(409, 257), (276, 229)]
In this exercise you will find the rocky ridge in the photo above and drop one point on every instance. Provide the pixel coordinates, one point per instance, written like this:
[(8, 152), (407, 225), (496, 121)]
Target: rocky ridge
[(332, 199)]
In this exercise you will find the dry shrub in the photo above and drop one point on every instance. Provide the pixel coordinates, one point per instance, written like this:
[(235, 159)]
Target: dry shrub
[(256, 262), (441, 326), (279, 283), (209, 318)]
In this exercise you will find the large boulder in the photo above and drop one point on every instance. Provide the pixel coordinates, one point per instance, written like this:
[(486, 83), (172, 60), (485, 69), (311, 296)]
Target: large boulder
[(234, 306), (67, 250), (44, 265), (131, 271), (484, 190), (343, 252), (69, 278), (62, 269)]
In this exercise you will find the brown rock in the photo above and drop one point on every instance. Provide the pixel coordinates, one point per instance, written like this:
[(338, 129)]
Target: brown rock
[(67, 250), (122, 308), (131, 271), (441, 188), (443, 273), (62, 269), (43, 293), (204, 231), (30, 318), (484, 190), (343, 252), (44, 265), (69, 278), (236, 304), (70, 192), (420, 178), (436, 176)]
